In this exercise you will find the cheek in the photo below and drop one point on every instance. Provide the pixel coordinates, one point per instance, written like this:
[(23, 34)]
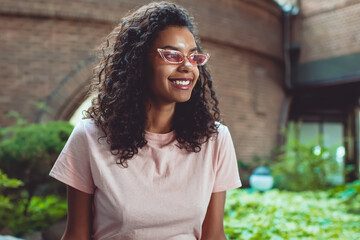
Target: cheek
[(162, 72), (196, 73)]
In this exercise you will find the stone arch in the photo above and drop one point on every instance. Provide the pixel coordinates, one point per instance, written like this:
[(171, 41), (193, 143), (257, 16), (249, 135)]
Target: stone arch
[(71, 91)]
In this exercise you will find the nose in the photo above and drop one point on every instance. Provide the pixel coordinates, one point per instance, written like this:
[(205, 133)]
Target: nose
[(186, 65)]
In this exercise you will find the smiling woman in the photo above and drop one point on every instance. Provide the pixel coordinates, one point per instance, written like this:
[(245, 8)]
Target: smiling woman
[(174, 82), (151, 160)]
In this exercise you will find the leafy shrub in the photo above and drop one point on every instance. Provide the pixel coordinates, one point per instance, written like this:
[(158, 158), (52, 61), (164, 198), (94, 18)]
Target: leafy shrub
[(6, 202), (42, 212), (27, 152), (290, 215), (6, 182), (297, 166)]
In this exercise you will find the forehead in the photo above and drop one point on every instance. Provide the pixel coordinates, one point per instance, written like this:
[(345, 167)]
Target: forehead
[(179, 37)]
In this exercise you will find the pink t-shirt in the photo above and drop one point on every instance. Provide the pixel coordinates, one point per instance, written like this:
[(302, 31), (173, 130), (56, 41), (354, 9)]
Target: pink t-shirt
[(163, 194)]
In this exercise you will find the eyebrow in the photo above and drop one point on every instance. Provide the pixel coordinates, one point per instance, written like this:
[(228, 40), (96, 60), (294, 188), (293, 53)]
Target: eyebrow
[(177, 49)]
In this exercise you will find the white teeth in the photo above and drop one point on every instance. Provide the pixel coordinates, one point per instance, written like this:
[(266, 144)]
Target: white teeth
[(182, 82)]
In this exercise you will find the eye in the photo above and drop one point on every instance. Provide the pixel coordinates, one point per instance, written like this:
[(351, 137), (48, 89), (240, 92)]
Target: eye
[(198, 58), (172, 56)]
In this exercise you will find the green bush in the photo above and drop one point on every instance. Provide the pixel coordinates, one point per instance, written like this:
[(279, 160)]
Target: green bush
[(300, 166), (6, 202), (42, 212), (292, 215), (6, 182), (27, 153)]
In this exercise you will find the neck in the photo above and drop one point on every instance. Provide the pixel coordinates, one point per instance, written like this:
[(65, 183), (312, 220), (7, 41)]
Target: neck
[(159, 118)]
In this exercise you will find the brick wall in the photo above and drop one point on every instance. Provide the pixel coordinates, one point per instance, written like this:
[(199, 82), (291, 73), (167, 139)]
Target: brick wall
[(37, 55), (249, 88), (329, 28), (47, 55)]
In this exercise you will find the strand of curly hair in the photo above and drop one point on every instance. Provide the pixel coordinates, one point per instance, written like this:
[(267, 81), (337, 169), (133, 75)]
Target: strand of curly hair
[(120, 106)]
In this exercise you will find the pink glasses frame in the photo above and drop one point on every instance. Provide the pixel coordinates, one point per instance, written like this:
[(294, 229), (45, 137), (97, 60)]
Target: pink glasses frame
[(160, 50)]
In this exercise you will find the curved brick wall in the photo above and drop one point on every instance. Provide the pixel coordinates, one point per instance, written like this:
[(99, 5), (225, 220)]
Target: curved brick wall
[(47, 46), (329, 28)]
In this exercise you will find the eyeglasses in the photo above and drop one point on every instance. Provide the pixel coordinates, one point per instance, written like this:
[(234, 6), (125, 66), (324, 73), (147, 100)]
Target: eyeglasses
[(177, 57)]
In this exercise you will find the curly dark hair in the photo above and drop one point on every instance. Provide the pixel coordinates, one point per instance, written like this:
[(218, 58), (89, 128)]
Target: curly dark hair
[(120, 106)]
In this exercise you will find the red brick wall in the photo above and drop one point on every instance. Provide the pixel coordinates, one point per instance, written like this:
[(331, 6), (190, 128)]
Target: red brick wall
[(329, 28), (249, 88), (47, 46), (36, 56)]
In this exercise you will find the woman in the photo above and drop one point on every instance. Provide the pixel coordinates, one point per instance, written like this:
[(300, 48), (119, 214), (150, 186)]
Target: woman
[(151, 161)]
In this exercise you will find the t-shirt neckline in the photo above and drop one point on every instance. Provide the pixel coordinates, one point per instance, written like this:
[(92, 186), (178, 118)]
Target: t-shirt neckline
[(160, 137)]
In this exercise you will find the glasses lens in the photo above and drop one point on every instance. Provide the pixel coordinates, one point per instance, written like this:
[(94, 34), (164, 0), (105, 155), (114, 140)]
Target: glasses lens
[(173, 56), (199, 59)]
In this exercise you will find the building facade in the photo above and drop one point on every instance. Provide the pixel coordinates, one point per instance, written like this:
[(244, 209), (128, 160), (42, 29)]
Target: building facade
[(325, 86)]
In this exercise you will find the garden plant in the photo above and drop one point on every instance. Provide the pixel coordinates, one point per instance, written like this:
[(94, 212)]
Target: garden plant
[(304, 203), (27, 153)]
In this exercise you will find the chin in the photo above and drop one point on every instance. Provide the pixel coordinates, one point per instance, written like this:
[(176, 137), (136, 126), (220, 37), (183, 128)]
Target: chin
[(183, 99)]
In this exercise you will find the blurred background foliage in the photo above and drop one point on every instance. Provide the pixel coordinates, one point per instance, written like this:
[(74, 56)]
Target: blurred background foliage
[(30, 200), (298, 166), (281, 214)]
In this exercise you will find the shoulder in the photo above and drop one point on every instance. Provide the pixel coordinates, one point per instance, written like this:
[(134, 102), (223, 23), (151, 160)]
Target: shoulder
[(221, 137), (85, 135), (85, 128), (223, 130)]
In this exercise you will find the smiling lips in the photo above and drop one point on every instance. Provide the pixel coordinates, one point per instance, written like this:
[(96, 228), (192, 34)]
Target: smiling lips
[(181, 83)]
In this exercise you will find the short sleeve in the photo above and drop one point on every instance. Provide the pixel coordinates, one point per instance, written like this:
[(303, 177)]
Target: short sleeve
[(227, 173), (73, 164)]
